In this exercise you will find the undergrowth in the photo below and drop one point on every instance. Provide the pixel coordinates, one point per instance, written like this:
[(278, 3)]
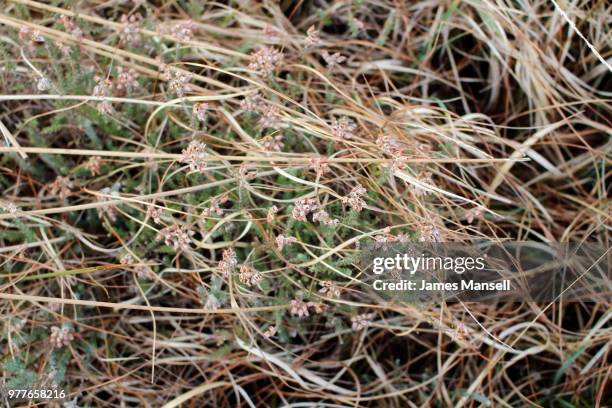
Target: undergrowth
[(187, 186)]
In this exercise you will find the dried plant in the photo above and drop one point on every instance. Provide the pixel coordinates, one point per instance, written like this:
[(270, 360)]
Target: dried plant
[(187, 190)]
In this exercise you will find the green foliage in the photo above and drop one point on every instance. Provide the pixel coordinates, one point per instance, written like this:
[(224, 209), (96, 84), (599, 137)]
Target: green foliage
[(18, 375)]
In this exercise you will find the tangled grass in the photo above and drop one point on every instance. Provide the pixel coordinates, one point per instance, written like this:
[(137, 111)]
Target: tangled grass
[(186, 186)]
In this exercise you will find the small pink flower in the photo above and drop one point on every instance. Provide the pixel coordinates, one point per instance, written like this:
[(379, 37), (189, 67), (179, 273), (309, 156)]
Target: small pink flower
[(282, 240), (107, 210), (127, 79), (60, 337), (252, 102), (271, 213), (93, 165), (155, 213), (273, 143), (228, 263), (249, 276), (176, 236), (265, 60), (354, 198), (319, 165), (299, 309), (330, 288), (343, 128), (361, 321), (126, 259), (312, 37), (43, 84), (333, 59), (323, 217), (270, 116), (389, 145), (195, 156), (61, 187), (200, 110), (303, 207), (213, 209), (130, 32), (178, 81), (184, 30), (431, 233)]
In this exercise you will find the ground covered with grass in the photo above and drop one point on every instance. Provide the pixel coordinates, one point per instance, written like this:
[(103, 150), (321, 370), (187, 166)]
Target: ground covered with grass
[(185, 189)]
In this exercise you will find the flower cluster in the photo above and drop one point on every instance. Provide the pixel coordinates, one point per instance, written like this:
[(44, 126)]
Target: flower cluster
[(282, 240), (319, 165), (43, 84), (93, 165), (383, 240), (265, 60), (330, 288), (245, 174), (63, 48), (270, 116), (251, 102), (184, 30), (61, 187), (195, 156), (102, 89), (126, 259), (323, 217), (431, 233), (143, 272), (333, 59), (130, 32), (361, 321), (127, 79), (273, 143), (107, 210), (249, 276), (200, 111), (214, 207), (178, 81), (354, 198), (155, 213), (344, 128), (389, 145), (303, 207), (228, 262), (272, 211), (312, 37), (299, 308), (176, 236), (60, 337)]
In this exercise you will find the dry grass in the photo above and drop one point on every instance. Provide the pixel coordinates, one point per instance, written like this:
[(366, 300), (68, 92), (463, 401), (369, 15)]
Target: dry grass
[(161, 257)]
